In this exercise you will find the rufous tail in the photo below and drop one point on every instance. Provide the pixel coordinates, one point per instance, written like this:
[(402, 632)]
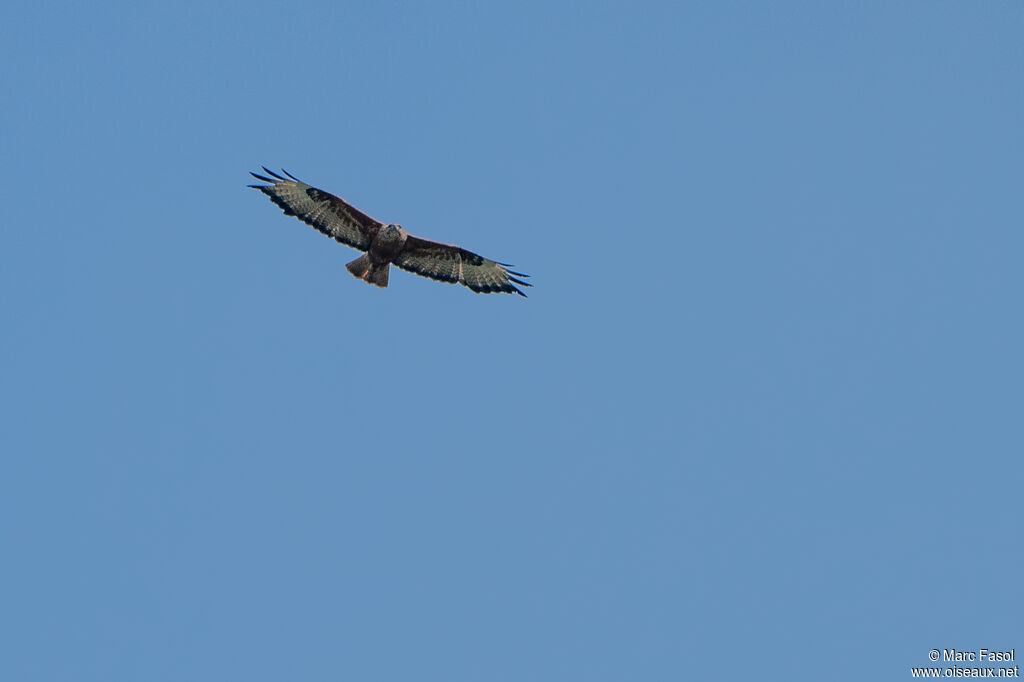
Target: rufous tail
[(368, 271)]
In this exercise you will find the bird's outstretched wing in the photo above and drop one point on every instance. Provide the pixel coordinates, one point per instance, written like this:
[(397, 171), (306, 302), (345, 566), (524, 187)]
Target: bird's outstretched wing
[(449, 263), (326, 212)]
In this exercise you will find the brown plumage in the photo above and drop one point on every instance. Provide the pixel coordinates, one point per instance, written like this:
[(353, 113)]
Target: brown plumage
[(385, 244)]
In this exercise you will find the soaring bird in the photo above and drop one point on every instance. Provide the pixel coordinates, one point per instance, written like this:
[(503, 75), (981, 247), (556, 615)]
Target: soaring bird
[(386, 243)]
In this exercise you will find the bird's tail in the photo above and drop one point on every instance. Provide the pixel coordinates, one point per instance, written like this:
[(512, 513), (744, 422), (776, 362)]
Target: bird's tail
[(373, 273)]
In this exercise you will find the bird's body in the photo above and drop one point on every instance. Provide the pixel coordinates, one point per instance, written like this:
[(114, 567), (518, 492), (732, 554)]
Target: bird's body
[(385, 244)]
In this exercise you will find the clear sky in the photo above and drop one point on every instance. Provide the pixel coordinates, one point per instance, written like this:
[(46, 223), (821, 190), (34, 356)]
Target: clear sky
[(760, 417)]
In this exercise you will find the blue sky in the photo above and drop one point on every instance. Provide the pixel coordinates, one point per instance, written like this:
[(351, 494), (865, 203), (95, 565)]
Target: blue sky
[(759, 418)]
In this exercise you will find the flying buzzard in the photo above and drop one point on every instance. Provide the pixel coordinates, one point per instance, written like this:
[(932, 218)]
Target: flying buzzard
[(386, 244)]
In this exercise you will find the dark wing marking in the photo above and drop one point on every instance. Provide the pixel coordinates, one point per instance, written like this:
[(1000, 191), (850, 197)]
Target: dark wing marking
[(451, 264), (326, 212)]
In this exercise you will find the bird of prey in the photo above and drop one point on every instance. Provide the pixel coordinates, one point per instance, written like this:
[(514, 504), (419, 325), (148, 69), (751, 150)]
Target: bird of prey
[(385, 244)]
